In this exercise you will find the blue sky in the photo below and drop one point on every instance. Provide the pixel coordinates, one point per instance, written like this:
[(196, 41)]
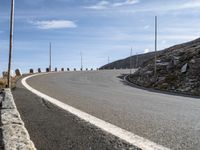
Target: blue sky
[(98, 28)]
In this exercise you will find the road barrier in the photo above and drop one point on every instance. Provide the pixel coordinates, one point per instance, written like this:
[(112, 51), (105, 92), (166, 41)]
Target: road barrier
[(31, 71), (39, 70), (18, 72)]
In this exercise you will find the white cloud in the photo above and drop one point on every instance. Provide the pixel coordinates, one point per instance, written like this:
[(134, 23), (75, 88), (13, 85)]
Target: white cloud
[(106, 4), (186, 5), (127, 2), (190, 4), (54, 24), (99, 5), (146, 50)]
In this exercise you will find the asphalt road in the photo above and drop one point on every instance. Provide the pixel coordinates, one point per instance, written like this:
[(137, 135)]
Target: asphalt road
[(169, 120), (52, 128)]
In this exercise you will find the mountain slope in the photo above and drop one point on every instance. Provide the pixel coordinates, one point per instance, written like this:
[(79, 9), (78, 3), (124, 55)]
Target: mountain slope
[(136, 60), (178, 69)]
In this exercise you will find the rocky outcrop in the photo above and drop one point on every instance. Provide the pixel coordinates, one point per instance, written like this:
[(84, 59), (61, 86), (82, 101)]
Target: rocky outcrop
[(178, 69)]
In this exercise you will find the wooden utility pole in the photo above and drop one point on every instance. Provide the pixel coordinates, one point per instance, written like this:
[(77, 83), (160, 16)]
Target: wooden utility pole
[(137, 61), (81, 61), (155, 66), (50, 57), (11, 42), (131, 54)]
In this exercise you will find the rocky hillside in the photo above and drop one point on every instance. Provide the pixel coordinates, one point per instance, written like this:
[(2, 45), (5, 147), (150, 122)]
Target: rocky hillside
[(178, 69), (136, 60)]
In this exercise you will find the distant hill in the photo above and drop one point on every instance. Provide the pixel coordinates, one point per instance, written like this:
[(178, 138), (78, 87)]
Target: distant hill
[(178, 69), (137, 61)]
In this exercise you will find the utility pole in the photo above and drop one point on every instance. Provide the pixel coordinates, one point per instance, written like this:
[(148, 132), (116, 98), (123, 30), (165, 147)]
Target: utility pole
[(131, 60), (11, 42), (155, 67), (137, 60), (50, 57), (108, 61), (81, 61)]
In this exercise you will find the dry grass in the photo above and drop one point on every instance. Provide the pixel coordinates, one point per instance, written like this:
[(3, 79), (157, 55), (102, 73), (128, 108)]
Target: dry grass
[(3, 82)]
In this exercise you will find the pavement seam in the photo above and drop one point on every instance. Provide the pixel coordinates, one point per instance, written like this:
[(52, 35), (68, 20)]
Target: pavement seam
[(15, 135), (127, 136)]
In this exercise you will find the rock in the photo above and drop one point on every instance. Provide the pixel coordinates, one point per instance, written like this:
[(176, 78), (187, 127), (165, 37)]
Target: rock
[(184, 68), (16, 138), (7, 102), (192, 61), (175, 60), (10, 116), (161, 79), (5, 74)]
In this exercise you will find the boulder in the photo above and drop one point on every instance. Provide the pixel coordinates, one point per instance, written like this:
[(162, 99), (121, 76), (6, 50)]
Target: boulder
[(184, 68)]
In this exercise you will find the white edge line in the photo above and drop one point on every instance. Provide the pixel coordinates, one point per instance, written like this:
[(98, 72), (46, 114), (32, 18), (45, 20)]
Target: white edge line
[(127, 136)]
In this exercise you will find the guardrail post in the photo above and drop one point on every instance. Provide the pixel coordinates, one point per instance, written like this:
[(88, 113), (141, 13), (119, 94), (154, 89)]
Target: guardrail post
[(39, 70), (18, 72), (31, 71)]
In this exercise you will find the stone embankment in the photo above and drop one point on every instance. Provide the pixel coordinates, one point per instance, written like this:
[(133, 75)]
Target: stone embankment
[(13, 132)]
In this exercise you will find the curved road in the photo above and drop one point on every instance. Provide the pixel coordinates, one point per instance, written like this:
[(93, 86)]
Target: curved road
[(172, 121)]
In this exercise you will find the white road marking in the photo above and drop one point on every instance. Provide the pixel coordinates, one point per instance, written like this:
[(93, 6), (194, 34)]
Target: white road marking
[(127, 136)]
